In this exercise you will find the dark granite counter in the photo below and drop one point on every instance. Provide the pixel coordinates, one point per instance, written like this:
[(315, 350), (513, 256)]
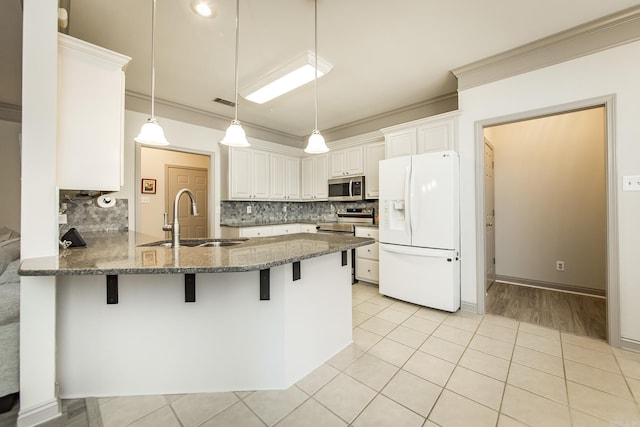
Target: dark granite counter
[(112, 253)]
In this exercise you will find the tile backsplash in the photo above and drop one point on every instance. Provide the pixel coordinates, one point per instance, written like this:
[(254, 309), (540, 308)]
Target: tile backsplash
[(235, 213), (84, 214)]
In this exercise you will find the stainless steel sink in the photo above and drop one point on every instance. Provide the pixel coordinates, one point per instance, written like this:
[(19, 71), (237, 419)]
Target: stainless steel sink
[(198, 243)]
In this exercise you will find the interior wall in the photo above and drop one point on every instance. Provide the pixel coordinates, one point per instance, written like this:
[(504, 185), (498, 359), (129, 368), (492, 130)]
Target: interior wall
[(152, 166), (610, 72), (10, 174), (550, 199)]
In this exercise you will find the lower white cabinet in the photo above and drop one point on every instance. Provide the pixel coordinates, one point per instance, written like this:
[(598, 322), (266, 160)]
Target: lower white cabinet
[(265, 230), (308, 228), (367, 256)]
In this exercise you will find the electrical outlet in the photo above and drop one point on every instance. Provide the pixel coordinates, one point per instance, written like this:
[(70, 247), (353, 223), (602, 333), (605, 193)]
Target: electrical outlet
[(284, 208), (631, 183), (560, 265), (249, 209), (62, 219)]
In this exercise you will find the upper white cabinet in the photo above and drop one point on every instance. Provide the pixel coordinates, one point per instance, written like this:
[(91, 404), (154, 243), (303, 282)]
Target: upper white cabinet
[(373, 153), (90, 139), (314, 177), (285, 177), (346, 161), (434, 133), (249, 174)]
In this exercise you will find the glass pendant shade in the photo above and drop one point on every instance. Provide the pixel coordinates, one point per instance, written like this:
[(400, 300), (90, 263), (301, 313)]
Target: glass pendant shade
[(316, 144), (235, 136), (151, 134)]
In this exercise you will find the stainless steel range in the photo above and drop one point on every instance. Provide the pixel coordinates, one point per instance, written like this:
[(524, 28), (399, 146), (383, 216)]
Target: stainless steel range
[(348, 218)]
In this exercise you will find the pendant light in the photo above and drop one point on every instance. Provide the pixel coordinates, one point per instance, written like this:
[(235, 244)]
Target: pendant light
[(151, 133), (316, 144), (235, 135)]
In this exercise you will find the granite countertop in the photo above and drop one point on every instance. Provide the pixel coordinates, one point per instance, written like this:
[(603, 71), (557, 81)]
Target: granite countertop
[(116, 253)]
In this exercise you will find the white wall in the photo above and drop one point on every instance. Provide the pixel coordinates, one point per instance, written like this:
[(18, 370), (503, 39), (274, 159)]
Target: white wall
[(550, 199), (614, 71), (10, 174)]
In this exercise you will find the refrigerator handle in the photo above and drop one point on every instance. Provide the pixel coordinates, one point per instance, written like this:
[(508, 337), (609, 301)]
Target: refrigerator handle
[(351, 188), (407, 202)]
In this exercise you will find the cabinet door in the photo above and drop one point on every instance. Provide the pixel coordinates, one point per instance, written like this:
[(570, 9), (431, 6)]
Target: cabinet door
[(292, 178), (256, 231), (240, 177), (307, 175), (308, 228), (354, 163), (321, 177), (400, 143), (373, 154), (278, 177), (436, 137), (261, 175), (285, 229), (338, 163)]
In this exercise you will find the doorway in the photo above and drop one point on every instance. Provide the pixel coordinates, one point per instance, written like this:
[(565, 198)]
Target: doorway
[(552, 204), (196, 180)]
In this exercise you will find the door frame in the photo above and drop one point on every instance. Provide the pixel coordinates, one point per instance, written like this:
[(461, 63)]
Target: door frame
[(612, 261), (488, 143)]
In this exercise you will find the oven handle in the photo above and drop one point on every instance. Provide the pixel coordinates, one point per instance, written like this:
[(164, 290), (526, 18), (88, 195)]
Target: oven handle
[(351, 187)]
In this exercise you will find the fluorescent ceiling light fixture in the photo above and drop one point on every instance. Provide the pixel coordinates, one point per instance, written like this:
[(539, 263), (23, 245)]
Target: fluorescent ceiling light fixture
[(286, 78)]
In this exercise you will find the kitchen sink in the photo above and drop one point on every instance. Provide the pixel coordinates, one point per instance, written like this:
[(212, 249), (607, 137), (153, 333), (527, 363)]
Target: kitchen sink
[(197, 243)]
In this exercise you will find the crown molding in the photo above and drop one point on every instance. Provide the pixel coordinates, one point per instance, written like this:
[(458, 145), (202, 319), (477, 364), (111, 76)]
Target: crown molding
[(10, 112), (594, 36)]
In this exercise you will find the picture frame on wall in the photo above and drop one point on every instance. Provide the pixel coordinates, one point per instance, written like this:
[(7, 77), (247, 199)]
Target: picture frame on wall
[(148, 186)]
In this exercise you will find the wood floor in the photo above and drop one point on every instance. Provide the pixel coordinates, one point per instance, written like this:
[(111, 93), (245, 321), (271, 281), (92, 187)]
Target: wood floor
[(579, 314)]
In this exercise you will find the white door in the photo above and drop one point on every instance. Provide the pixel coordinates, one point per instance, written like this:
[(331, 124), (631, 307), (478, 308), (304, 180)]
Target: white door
[(433, 206), (394, 190), (489, 209)]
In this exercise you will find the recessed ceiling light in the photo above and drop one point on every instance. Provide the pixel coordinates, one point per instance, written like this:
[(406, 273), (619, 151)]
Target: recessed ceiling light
[(286, 78), (203, 8)]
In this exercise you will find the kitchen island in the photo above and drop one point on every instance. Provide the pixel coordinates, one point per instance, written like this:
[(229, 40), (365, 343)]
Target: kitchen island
[(260, 314)]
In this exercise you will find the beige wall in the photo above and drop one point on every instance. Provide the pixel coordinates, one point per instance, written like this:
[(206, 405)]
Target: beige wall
[(152, 166), (550, 198), (10, 174)]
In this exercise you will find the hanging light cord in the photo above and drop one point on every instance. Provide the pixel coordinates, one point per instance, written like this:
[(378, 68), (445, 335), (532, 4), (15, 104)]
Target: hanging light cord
[(153, 59), (236, 71), (316, 58)]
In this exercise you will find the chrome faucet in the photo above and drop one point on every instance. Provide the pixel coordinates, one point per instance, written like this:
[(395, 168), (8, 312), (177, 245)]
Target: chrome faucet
[(175, 227)]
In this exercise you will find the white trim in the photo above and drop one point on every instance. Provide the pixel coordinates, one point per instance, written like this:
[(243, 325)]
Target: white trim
[(468, 306), (629, 344), (40, 413)]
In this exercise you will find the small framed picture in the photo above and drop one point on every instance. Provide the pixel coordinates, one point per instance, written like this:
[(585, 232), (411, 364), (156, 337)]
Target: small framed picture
[(148, 186)]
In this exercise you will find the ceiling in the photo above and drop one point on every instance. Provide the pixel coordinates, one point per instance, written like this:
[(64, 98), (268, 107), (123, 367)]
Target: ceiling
[(386, 55)]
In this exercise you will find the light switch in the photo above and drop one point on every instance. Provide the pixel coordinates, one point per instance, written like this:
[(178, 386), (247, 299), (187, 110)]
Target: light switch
[(145, 200), (631, 183)]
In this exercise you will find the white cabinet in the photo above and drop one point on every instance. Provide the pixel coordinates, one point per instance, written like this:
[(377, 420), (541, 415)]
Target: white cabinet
[(249, 172), (314, 178), (308, 228), (265, 230), (285, 229), (346, 161), (367, 264), (434, 133), (90, 116), (285, 177), (373, 153)]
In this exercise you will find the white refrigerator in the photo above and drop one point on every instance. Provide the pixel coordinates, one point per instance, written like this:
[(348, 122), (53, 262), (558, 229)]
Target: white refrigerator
[(420, 229)]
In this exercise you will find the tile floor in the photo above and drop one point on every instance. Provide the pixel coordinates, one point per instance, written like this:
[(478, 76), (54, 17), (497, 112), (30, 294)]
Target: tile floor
[(413, 366)]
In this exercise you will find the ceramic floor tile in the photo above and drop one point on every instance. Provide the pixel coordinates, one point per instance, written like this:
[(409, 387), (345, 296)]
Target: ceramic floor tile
[(392, 352), (194, 409), (420, 324), (429, 367), (461, 322), (453, 410), (381, 300), (580, 419), (273, 405), (364, 290), (236, 415), (630, 368), (162, 417), (413, 392), (431, 314), (346, 357), (311, 414), (405, 307), (485, 364), (492, 346), (603, 405), (243, 394), (454, 335), (120, 411), (394, 316), (407, 336), (371, 371), (626, 354), (497, 332), (385, 412), (345, 397), (364, 339), (541, 331), (356, 301), (443, 349), (586, 342), (317, 379), (534, 410), (505, 322), (504, 421), (357, 318), (170, 398), (369, 308), (537, 360), (539, 343), (429, 423), (593, 358), (597, 378), (477, 387), (378, 326), (538, 382), (634, 385)]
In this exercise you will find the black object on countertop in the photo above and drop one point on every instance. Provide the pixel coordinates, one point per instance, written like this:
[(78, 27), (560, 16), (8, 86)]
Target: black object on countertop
[(74, 237)]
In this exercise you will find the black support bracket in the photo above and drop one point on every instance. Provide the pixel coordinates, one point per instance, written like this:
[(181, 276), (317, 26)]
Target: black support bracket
[(296, 270), (189, 287), (344, 258), (265, 287), (112, 289)]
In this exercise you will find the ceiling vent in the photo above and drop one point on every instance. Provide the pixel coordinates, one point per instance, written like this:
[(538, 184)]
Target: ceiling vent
[(225, 102)]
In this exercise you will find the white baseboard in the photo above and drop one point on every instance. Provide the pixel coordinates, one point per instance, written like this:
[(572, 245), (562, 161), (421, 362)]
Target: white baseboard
[(471, 307), (629, 344), (38, 414)]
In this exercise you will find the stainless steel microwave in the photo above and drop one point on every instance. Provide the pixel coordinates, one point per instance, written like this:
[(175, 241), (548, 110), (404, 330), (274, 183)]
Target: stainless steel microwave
[(346, 189)]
